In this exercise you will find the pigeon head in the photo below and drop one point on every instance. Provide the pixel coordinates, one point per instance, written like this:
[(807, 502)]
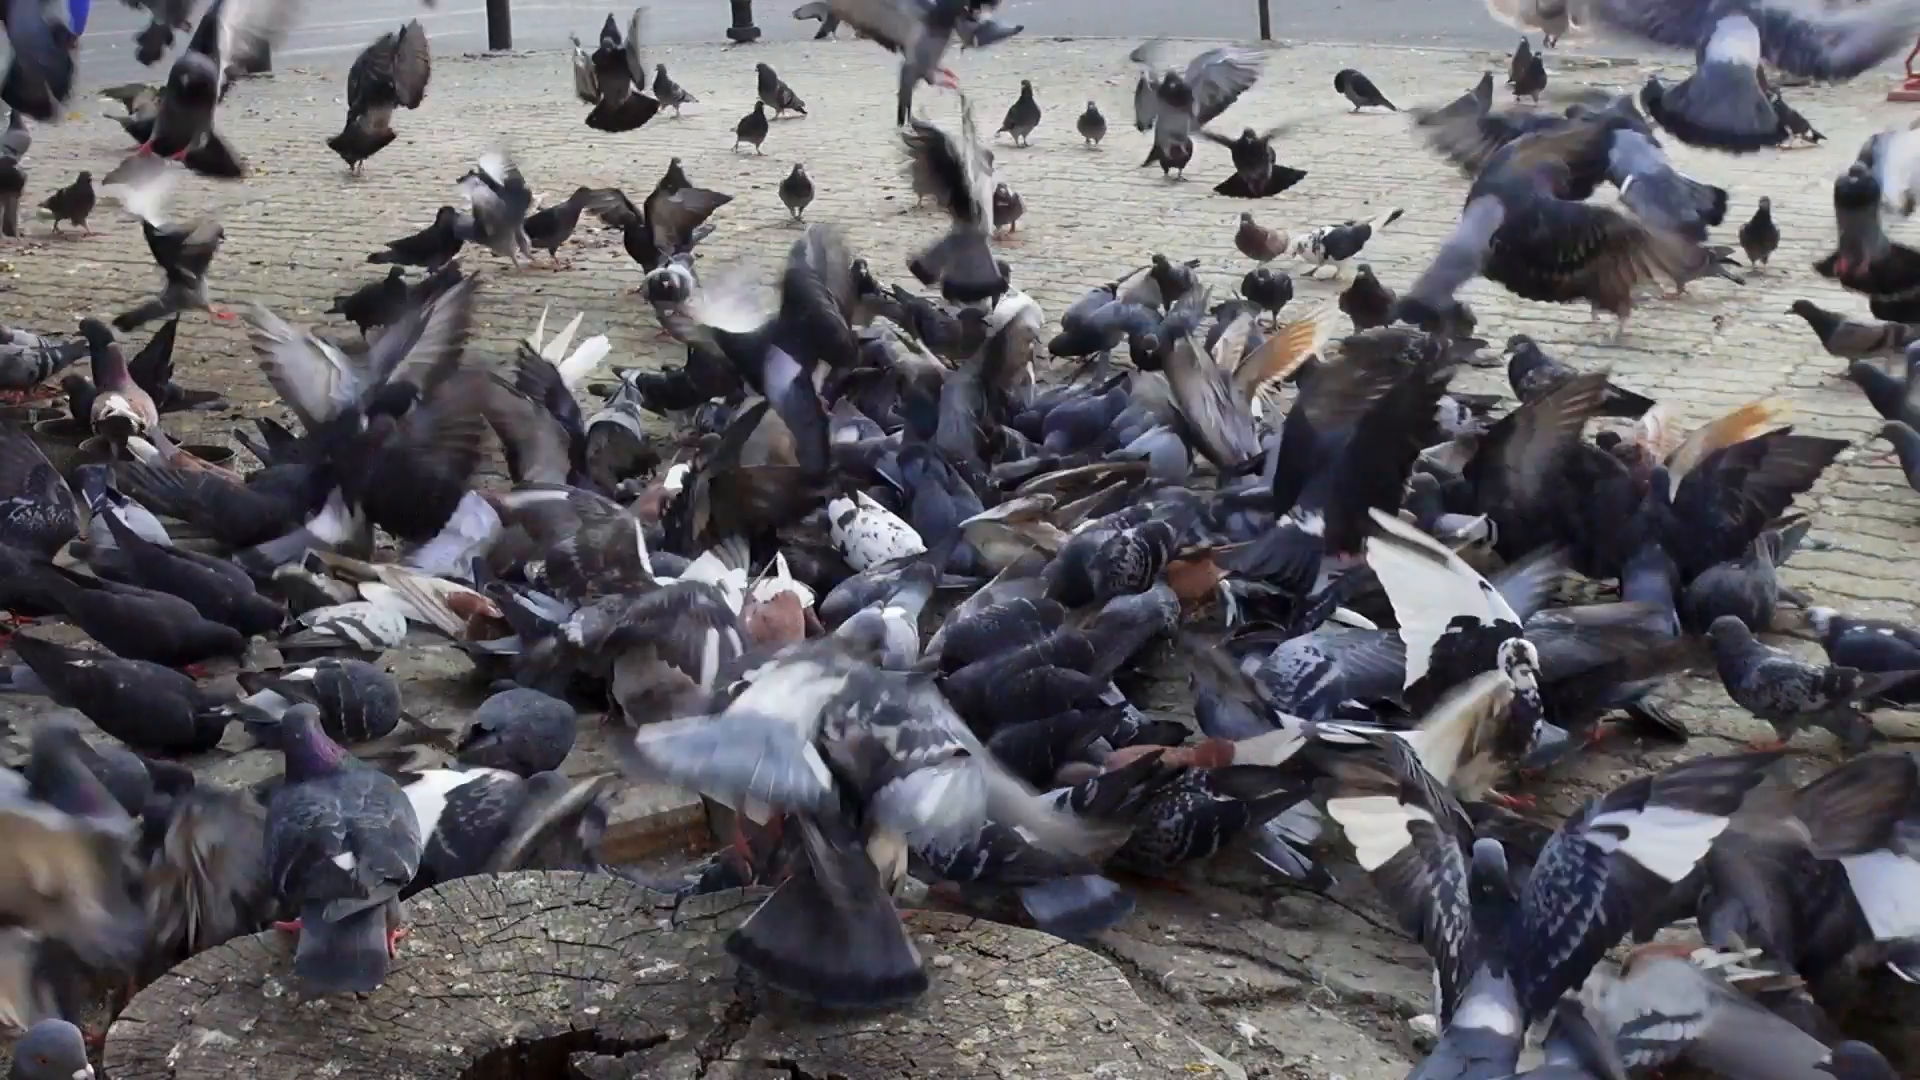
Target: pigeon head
[(1519, 661), (1821, 620), (1340, 79), (1860, 373), (51, 1050), (1729, 630), (58, 771), (445, 216), (1766, 204), (97, 333), (661, 69), (763, 70), (1488, 876), (310, 752), (1518, 342)]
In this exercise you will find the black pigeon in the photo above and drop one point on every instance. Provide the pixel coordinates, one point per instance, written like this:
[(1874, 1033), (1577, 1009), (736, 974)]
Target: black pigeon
[(1532, 375), (358, 702), (390, 73), (1527, 75), (752, 128), (152, 371), (960, 262), (217, 589), (229, 39), (377, 303), (138, 623), (1367, 302), (1788, 693), (342, 842), (776, 94), (1092, 126), (670, 93), (38, 513), (1359, 90), (619, 78), (1008, 207), (151, 708), (1270, 290), (1022, 116), (796, 193), (520, 730), (72, 203), (1759, 236), (430, 247), (549, 228), (672, 221), (1257, 172)]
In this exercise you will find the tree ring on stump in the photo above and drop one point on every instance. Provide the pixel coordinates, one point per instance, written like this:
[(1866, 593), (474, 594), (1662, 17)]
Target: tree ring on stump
[(549, 975)]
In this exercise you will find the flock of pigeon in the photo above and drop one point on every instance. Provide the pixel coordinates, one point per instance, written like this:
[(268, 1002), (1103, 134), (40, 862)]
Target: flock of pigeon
[(881, 593)]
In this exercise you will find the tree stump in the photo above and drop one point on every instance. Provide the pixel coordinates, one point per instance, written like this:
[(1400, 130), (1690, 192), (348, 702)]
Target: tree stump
[(543, 976)]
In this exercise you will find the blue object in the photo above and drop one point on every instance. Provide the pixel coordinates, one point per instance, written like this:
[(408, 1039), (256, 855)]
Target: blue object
[(77, 15)]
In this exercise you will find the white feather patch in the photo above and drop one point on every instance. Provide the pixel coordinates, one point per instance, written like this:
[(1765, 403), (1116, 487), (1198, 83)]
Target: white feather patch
[(1667, 841), (1887, 887), (1376, 826), (428, 795), (1487, 1014), (868, 534)]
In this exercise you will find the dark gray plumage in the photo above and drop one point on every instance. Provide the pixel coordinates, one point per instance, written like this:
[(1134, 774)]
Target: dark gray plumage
[(752, 128), (1788, 693), (1359, 90), (520, 730), (1759, 236), (796, 193), (1092, 126), (1022, 116), (342, 841), (72, 203), (358, 702)]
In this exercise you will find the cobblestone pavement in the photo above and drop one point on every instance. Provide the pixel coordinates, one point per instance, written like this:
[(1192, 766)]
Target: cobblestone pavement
[(1325, 988)]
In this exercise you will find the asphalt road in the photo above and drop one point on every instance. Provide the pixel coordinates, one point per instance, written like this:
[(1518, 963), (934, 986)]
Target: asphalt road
[(330, 35)]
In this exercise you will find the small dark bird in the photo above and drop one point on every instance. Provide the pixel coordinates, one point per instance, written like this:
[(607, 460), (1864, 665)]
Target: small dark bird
[(1853, 337), (1528, 74), (1257, 172), (1795, 124), (752, 127), (673, 180), (1172, 154), (1532, 375), (72, 203), (1760, 236), (377, 303), (1367, 302), (796, 191), (390, 73), (1007, 208), (1360, 91), (669, 92), (1892, 398), (1091, 125), (1022, 116), (430, 247), (777, 94), (551, 227), (1269, 289)]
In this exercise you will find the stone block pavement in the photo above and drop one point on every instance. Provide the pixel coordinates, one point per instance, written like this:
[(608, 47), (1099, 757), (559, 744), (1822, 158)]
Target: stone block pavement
[(1297, 986)]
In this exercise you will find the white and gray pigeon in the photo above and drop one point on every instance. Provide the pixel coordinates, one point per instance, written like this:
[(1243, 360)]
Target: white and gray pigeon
[(497, 203), (342, 842), (477, 821), (1335, 244), (520, 730), (1724, 104), (1789, 693), (29, 359), (1505, 953), (52, 1049), (866, 764)]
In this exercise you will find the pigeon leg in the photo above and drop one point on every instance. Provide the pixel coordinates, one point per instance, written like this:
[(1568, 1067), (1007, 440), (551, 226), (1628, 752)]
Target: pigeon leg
[(1767, 744), (947, 78), (198, 671), (394, 934), (1513, 802), (292, 927)]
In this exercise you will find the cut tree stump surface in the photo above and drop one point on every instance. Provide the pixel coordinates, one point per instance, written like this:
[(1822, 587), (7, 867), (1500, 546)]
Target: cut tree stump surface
[(540, 975)]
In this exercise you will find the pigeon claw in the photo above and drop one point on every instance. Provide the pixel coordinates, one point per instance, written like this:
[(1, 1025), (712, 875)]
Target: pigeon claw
[(1513, 802), (1767, 744), (292, 927), (393, 940)]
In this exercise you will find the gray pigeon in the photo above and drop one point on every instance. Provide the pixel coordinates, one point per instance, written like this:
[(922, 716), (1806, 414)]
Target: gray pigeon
[(342, 841), (1788, 694), (796, 192), (27, 360), (520, 730), (52, 1049), (1091, 125), (777, 94), (1022, 116), (1008, 206), (499, 199), (670, 92), (358, 702), (1906, 446)]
